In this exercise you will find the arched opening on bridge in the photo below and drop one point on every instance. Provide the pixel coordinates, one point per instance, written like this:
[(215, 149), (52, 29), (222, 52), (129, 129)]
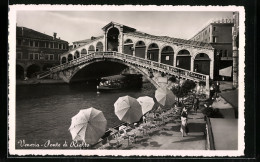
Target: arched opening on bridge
[(167, 55), (202, 63), (112, 39), (91, 49), (19, 72), (99, 47), (83, 52), (183, 59), (128, 47), (63, 60), (32, 70), (153, 52), (70, 57), (46, 67), (140, 49), (77, 54)]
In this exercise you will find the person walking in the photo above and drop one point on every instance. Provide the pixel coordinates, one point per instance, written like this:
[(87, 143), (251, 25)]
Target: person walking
[(211, 92), (196, 104), (217, 88), (184, 120)]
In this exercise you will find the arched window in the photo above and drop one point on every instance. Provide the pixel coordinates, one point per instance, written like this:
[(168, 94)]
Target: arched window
[(84, 51), (128, 47), (99, 47), (202, 63), (70, 57), (91, 49), (167, 55), (77, 54), (153, 52), (63, 60), (183, 59), (140, 49)]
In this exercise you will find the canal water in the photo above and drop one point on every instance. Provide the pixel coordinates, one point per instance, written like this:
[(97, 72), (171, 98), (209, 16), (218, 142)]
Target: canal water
[(43, 112)]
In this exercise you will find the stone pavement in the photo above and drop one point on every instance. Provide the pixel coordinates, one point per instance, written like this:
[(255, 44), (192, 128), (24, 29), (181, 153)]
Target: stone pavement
[(171, 138)]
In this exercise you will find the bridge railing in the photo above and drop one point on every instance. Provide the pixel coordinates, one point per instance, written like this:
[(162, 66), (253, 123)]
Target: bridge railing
[(131, 59), (162, 67)]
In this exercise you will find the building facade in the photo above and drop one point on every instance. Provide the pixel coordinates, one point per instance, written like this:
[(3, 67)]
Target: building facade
[(36, 51), (219, 34), (163, 49)]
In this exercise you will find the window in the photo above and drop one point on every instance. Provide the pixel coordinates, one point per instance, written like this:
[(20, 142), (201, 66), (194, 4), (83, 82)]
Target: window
[(214, 39), (31, 43), (49, 57), (34, 56), (31, 56), (225, 53), (51, 44), (214, 28), (201, 54), (19, 42), (167, 58), (36, 44), (220, 53), (60, 46), (19, 56)]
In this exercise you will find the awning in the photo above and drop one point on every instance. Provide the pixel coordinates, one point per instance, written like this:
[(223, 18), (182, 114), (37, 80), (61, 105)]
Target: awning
[(226, 71)]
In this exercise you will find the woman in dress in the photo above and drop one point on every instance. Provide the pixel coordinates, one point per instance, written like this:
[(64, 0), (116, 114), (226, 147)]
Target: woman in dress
[(184, 119)]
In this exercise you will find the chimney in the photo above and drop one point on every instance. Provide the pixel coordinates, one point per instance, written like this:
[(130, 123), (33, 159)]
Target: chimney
[(54, 35)]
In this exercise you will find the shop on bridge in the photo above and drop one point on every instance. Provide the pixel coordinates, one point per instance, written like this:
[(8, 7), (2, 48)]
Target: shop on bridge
[(202, 63), (183, 60)]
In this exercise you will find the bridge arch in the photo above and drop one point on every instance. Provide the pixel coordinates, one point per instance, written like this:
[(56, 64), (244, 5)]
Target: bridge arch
[(99, 47), (112, 39), (136, 68), (183, 59), (167, 55), (153, 52), (202, 63), (128, 47), (83, 51), (91, 49), (32, 69), (140, 49)]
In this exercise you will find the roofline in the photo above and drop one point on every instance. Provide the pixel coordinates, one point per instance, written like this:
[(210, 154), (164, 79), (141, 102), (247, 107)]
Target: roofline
[(210, 22), (209, 47), (39, 32), (112, 22)]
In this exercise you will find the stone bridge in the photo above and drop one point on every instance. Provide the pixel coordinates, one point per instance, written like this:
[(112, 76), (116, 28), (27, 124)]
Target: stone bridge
[(157, 73)]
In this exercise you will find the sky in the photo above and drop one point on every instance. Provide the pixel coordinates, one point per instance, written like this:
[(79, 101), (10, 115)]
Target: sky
[(78, 25)]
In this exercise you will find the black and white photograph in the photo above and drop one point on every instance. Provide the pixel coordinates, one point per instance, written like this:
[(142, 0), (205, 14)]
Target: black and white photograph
[(126, 80)]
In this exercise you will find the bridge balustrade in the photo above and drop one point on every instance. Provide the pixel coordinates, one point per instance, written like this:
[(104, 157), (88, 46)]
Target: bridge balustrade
[(131, 59)]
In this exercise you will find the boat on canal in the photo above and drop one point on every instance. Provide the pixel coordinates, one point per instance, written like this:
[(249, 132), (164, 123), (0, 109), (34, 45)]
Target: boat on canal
[(122, 81)]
